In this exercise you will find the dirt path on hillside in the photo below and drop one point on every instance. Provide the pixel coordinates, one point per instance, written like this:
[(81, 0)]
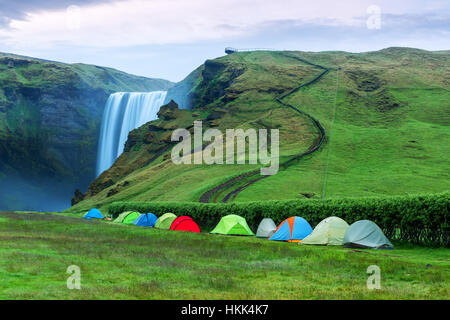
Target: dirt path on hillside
[(206, 197)]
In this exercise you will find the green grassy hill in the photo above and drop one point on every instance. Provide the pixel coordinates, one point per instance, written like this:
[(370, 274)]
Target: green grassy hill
[(386, 117), (50, 115)]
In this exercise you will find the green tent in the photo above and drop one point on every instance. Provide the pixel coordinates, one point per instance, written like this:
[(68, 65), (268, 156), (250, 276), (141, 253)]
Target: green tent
[(121, 216), (366, 234), (127, 217), (330, 231), (233, 225), (165, 221)]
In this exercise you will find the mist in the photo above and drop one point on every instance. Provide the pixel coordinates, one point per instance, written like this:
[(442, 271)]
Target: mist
[(20, 195)]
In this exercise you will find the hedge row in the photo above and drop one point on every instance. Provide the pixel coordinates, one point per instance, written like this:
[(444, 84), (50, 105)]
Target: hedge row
[(419, 219)]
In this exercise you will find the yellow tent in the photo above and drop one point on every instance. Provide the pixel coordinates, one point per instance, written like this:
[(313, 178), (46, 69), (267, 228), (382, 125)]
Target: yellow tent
[(330, 231)]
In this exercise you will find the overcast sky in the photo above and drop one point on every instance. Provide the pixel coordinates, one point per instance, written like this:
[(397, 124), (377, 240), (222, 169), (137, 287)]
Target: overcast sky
[(169, 38)]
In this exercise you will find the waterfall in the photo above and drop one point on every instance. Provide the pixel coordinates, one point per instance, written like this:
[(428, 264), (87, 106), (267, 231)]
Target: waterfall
[(124, 112)]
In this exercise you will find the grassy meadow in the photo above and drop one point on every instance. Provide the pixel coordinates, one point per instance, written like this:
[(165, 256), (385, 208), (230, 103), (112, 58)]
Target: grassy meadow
[(386, 117), (128, 262)]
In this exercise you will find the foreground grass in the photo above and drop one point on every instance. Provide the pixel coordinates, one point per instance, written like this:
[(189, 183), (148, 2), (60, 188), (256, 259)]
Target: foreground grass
[(127, 262)]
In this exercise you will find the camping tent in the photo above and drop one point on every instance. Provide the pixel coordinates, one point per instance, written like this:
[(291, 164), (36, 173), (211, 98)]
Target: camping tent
[(165, 221), (129, 219), (146, 220), (121, 216), (293, 229), (184, 223), (233, 225), (366, 234), (93, 214), (126, 217), (266, 228), (329, 231)]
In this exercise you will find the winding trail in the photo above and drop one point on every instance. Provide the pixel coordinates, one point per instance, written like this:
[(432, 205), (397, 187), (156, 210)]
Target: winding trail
[(206, 197)]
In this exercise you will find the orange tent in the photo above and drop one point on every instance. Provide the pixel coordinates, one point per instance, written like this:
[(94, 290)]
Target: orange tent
[(293, 229)]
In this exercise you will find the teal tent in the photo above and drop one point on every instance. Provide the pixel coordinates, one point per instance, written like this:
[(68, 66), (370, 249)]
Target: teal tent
[(367, 235)]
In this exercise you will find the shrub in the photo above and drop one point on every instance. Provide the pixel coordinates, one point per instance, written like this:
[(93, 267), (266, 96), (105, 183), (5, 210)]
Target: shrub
[(419, 219)]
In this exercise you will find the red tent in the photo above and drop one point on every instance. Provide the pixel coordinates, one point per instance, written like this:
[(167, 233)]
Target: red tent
[(184, 223)]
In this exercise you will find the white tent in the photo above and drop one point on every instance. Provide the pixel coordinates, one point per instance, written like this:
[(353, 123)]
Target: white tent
[(266, 228)]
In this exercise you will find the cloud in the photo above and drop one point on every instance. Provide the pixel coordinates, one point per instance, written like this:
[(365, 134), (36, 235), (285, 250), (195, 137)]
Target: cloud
[(139, 22), (419, 31), (147, 37), (18, 9)]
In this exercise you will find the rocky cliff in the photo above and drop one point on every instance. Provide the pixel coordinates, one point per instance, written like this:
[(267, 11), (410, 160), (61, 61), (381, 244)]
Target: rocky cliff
[(50, 114)]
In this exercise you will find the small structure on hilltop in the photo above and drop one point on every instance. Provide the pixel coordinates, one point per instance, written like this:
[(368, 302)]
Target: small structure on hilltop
[(229, 50)]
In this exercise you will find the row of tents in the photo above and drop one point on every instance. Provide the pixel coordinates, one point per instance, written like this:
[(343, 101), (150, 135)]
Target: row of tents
[(167, 221), (330, 231)]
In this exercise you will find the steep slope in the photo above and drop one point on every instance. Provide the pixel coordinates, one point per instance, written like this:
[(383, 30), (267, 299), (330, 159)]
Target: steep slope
[(387, 122), (50, 114), (385, 114)]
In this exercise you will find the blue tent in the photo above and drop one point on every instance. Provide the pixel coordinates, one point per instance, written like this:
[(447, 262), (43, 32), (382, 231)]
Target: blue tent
[(93, 214), (293, 229), (146, 220)]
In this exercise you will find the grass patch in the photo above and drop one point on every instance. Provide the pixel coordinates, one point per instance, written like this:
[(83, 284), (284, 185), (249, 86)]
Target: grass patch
[(127, 262)]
